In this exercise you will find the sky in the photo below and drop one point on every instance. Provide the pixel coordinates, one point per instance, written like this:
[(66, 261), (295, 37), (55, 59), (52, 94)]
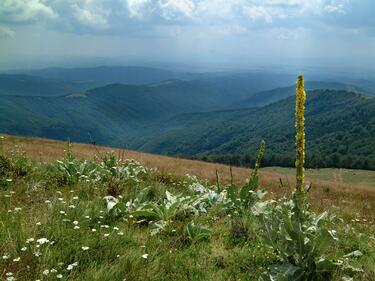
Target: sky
[(226, 33)]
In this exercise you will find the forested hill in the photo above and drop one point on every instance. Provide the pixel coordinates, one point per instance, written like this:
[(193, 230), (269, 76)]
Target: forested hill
[(340, 132)]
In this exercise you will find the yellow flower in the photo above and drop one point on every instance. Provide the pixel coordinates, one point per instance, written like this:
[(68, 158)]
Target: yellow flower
[(261, 152), (300, 136)]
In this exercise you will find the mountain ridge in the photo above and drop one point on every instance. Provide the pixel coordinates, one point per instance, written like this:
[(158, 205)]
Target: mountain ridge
[(334, 120)]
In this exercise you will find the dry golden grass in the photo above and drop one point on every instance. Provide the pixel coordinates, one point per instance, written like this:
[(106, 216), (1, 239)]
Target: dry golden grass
[(351, 201)]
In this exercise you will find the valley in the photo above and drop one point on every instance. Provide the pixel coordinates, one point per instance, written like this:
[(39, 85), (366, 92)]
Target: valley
[(216, 117)]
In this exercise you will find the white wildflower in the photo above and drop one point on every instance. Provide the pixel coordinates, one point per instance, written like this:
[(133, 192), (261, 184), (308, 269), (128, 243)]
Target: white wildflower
[(42, 241)]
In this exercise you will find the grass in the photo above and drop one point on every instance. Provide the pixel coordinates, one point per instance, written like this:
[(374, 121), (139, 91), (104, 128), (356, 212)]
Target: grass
[(338, 176), (39, 204)]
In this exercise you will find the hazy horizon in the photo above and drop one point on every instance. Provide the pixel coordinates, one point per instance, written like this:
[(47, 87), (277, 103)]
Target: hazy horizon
[(189, 34)]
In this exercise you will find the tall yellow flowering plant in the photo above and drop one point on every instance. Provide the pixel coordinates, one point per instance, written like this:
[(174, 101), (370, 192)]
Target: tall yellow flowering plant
[(300, 141), (261, 152)]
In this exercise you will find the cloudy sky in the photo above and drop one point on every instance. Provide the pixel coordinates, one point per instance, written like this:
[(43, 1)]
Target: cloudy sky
[(239, 33)]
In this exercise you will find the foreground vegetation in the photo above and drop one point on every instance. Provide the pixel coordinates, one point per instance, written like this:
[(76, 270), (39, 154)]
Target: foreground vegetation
[(113, 219)]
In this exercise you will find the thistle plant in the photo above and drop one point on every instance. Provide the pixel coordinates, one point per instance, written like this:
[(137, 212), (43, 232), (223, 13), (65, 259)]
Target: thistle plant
[(300, 143)]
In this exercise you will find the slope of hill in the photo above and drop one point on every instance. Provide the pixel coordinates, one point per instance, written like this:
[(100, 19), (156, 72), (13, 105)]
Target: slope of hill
[(27, 85), (157, 117), (335, 120), (116, 112), (113, 113), (270, 96), (96, 216), (49, 150)]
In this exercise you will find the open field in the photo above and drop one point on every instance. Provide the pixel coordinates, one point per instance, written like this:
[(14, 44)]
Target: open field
[(338, 176), (327, 191), (57, 226)]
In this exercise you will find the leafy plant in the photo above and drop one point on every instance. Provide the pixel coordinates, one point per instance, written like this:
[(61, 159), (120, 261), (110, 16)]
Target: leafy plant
[(169, 208), (5, 169), (299, 242), (295, 234), (196, 232), (20, 164), (245, 197), (13, 166), (74, 170)]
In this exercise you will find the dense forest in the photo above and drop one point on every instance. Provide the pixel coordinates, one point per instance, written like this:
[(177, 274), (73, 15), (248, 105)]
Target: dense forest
[(340, 126)]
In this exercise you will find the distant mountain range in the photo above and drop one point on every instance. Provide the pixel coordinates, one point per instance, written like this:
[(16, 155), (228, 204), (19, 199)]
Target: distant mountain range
[(27, 85), (213, 116), (270, 96)]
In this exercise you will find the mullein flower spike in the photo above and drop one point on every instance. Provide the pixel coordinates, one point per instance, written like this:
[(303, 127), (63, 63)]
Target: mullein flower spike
[(300, 138), (261, 152)]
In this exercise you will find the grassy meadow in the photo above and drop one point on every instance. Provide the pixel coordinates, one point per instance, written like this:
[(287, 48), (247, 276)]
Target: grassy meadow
[(338, 176), (60, 226)]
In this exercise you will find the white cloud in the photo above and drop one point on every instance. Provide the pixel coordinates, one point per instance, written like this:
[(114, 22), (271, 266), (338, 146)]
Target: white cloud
[(136, 7), (218, 10), (6, 32), (257, 12), (335, 8), (91, 13), (172, 9), (19, 11)]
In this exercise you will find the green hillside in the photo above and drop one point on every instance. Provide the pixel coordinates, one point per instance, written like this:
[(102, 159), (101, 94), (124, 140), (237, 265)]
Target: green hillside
[(340, 125), (270, 96), (113, 114), (191, 118)]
